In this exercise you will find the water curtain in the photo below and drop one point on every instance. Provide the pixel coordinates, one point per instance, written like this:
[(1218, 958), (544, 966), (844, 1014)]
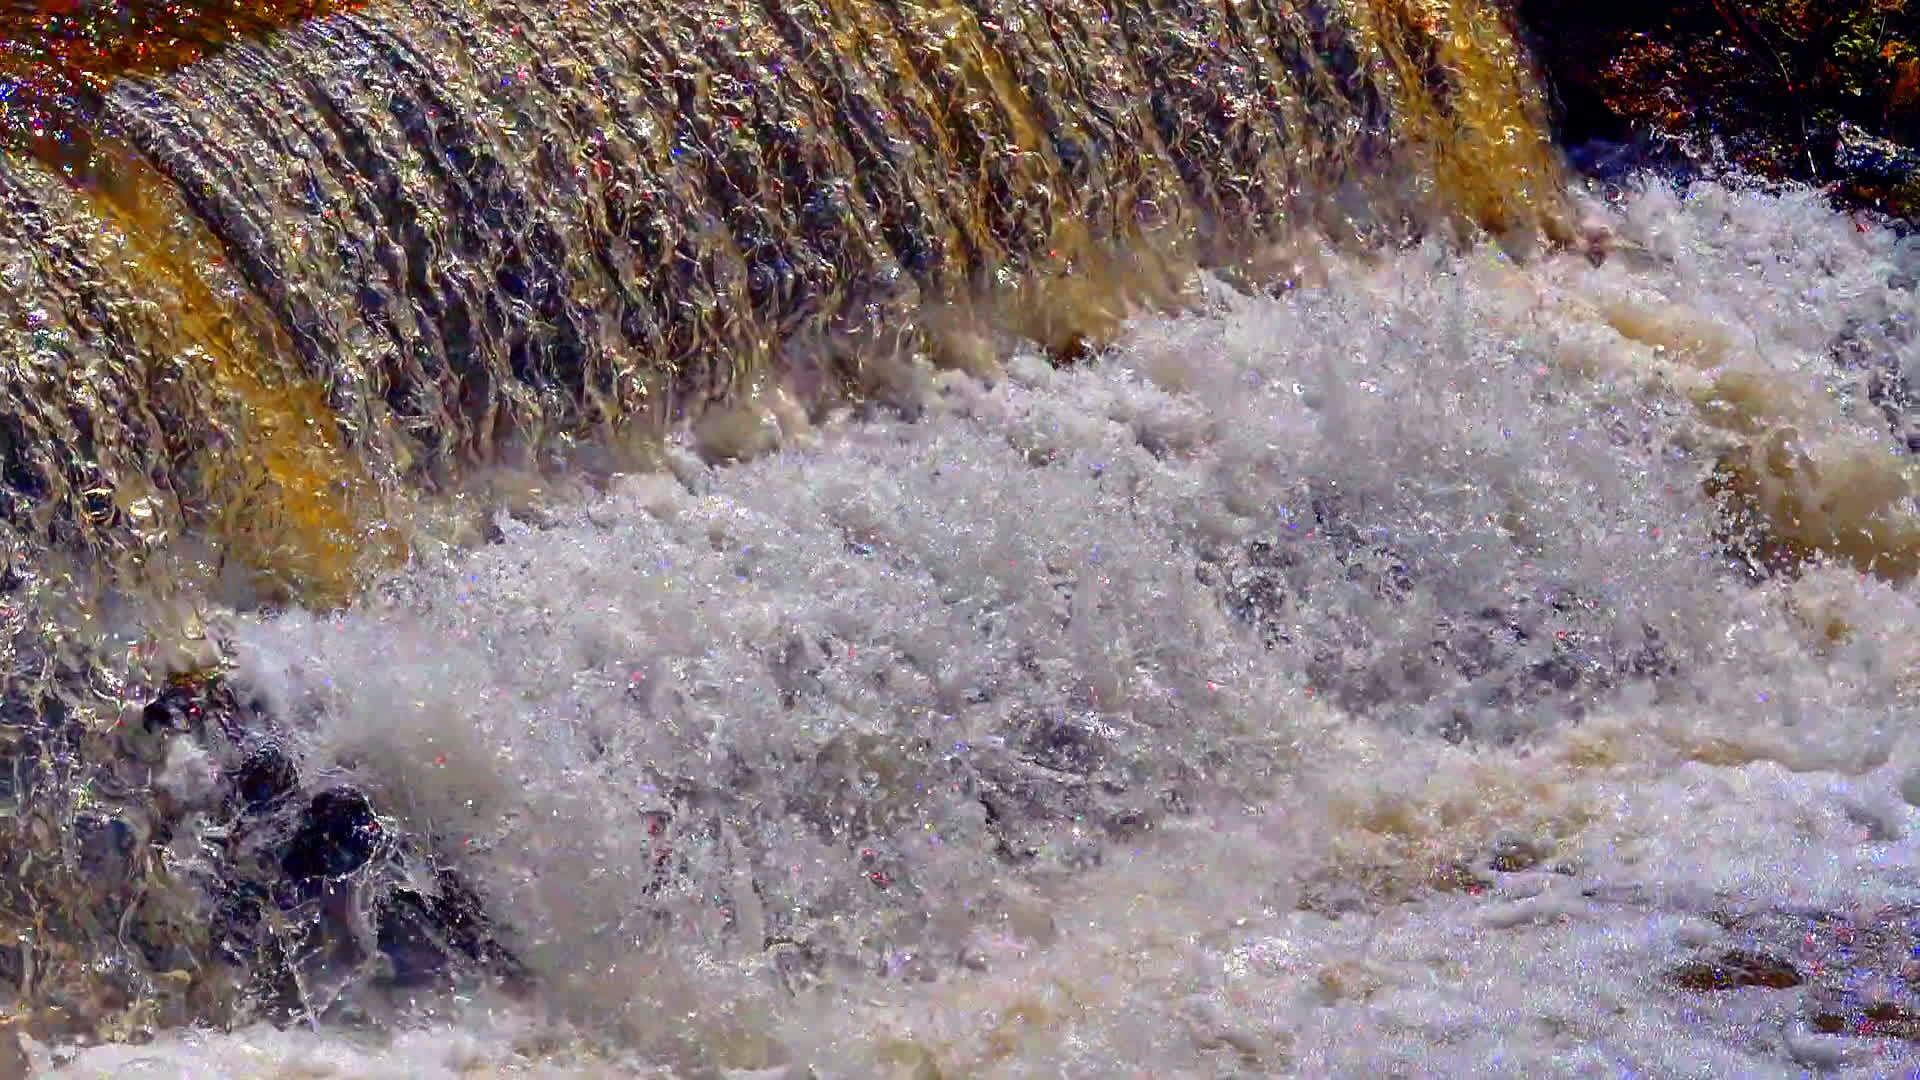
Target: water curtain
[(253, 296)]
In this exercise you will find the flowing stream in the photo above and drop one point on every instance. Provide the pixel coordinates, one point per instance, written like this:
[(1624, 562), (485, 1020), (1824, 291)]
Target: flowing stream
[(867, 538)]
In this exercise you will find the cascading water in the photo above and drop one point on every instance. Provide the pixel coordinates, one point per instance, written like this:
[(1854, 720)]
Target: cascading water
[(929, 539), (415, 236)]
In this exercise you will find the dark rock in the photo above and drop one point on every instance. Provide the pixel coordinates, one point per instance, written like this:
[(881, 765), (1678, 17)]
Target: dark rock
[(298, 885), (1882, 1020), (338, 835), (1062, 814), (180, 709), (425, 935), (1871, 348), (1255, 589), (1858, 973), (239, 927), (1457, 877), (1483, 674), (265, 777), (1815, 93), (1868, 158)]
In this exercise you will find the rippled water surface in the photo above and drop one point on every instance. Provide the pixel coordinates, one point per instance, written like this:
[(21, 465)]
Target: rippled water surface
[(1383, 676)]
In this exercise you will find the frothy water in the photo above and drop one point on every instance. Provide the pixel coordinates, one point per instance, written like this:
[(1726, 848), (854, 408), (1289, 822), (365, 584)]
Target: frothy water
[(1354, 679)]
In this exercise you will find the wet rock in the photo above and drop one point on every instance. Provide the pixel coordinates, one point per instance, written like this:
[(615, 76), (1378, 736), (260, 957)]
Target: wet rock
[(1817, 93), (239, 926), (1481, 674), (1856, 974), (425, 934), (1870, 350), (285, 887), (1894, 392), (180, 709), (1906, 264), (266, 776), (862, 785), (338, 835), (1869, 159), (1458, 877), (1255, 588), (799, 965), (1335, 891), (1734, 970), (1457, 728), (1880, 1019), (1065, 816)]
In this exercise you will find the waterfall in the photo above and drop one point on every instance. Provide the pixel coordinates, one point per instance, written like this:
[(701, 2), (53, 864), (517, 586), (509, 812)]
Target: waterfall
[(401, 592), (332, 264)]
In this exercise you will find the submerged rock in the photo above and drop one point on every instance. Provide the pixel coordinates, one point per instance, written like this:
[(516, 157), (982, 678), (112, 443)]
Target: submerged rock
[(278, 889), (338, 835), (1462, 672), (1869, 350), (1734, 970), (1855, 972)]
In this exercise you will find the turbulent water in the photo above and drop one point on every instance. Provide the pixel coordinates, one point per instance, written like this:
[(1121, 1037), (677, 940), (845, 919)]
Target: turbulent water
[(287, 303), (383, 245), (930, 539), (1362, 679)]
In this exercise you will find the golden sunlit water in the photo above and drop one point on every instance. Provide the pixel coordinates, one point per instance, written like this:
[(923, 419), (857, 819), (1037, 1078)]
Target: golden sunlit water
[(375, 250), (295, 297)]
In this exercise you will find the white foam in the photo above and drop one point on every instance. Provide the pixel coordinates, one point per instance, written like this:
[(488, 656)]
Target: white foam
[(806, 661)]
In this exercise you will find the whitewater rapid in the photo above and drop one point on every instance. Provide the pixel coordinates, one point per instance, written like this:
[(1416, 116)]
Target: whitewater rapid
[(1351, 680)]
